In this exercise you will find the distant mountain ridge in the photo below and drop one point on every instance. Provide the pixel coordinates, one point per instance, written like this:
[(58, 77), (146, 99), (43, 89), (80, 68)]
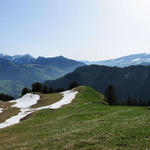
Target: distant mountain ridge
[(19, 71), (135, 59), (133, 81), (18, 59)]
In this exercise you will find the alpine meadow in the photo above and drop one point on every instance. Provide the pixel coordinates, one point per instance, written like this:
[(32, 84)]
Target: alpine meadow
[(74, 75)]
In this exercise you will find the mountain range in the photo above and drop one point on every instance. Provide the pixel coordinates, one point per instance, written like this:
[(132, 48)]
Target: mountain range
[(135, 59), (19, 71), (129, 82)]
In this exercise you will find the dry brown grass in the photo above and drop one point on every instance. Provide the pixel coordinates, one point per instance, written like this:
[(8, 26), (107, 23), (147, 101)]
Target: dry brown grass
[(8, 111), (47, 99)]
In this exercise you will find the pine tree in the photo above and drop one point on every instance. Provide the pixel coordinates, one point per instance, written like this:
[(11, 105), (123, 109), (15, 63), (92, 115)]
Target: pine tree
[(60, 90), (36, 87), (73, 85), (6, 97), (110, 95), (25, 91), (148, 103), (130, 101), (141, 103), (135, 103), (45, 89), (51, 90)]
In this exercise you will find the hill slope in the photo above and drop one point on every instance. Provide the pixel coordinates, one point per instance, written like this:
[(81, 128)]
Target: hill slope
[(129, 82), (84, 124), (18, 71)]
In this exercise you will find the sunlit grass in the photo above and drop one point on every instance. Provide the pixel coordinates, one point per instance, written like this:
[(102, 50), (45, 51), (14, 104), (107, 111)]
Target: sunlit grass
[(84, 124)]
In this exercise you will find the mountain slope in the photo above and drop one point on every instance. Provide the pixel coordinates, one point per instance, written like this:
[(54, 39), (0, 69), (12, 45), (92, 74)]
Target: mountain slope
[(59, 62), (83, 124), (135, 59), (129, 82), (18, 71)]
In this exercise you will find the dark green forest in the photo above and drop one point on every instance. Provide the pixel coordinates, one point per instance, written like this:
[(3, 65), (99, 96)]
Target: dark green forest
[(131, 82)]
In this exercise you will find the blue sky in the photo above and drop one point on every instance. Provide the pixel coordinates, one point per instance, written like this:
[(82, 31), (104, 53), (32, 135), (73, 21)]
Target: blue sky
[(78, 29)]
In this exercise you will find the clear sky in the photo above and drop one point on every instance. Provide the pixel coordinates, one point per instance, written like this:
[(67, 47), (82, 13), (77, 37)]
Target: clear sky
[(78, 29)]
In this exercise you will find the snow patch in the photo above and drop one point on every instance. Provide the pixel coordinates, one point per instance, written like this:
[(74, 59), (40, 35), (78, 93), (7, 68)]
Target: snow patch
[(28, 100), (1, 110), (137, 59), (15, 119), (67, 99)]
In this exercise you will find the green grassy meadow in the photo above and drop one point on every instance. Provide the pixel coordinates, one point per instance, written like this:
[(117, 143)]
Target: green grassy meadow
[(88, 123)]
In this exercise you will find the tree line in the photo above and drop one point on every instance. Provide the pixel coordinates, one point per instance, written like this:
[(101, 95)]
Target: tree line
[(39, 87), (5, 97), (111, 97)]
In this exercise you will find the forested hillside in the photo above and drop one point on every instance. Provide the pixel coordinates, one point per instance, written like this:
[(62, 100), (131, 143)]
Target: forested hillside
[(129, 82)]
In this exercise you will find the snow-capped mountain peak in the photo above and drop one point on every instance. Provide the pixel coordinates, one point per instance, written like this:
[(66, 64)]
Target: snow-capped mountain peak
[(19, 59), (135, 59)]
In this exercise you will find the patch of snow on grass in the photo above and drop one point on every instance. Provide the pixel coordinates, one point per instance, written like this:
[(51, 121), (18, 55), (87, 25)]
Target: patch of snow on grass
[(15, 119), (28, 100), (1, 110), (67, 99), (24, 103)]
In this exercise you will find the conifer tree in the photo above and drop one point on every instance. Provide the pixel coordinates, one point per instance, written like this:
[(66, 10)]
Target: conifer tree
[(110, 95), (36, 87), (25, 91), (72, 85), (51, 90), (45, 89)]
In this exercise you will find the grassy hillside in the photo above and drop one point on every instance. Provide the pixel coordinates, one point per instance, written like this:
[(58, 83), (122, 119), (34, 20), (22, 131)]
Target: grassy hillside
[(85, 124)]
